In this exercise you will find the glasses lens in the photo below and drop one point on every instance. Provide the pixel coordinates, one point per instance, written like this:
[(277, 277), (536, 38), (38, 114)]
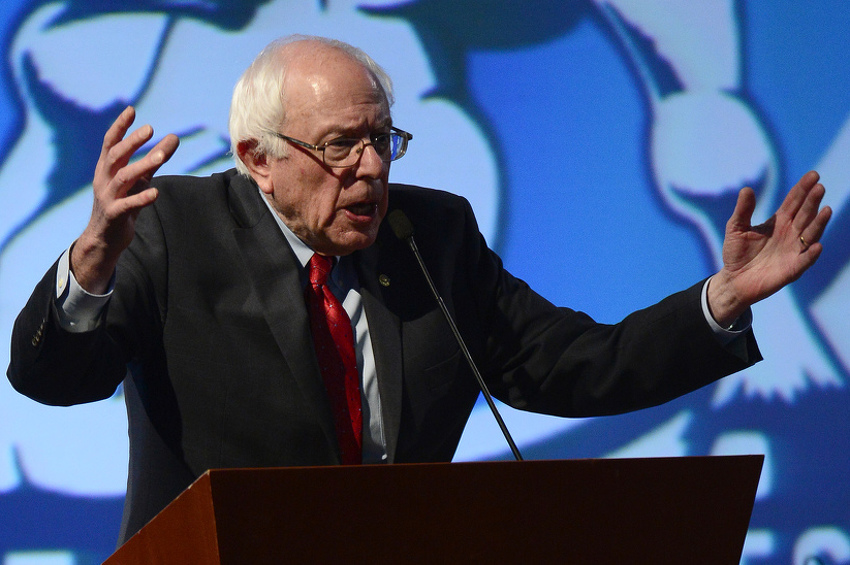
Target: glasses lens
[(345, 151), (383, 145), (398, 146), (340, 151)]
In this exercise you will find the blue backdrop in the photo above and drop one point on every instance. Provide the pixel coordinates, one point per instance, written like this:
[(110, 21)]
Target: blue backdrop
[(601, 144)]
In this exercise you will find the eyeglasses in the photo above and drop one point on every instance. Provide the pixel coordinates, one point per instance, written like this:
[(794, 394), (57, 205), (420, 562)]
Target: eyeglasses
[(346, 151)]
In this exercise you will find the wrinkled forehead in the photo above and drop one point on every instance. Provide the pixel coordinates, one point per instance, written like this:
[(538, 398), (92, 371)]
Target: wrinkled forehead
[(329, 81)]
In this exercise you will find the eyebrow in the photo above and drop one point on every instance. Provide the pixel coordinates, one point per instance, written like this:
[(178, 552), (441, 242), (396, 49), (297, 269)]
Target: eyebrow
[(340, 131)]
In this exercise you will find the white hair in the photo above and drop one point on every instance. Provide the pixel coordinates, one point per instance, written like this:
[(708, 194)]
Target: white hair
[(258, 103)]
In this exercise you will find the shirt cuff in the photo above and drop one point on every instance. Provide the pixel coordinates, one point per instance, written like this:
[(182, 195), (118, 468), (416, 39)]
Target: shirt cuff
[(76, 309), (730, 334)]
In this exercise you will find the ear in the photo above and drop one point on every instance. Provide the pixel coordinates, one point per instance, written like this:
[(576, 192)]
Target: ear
[(257, 164)]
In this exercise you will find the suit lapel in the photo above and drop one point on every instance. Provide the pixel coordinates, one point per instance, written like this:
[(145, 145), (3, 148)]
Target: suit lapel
[(274, 272)]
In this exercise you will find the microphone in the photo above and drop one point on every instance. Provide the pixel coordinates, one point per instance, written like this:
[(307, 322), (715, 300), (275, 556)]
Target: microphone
[(403, 229)]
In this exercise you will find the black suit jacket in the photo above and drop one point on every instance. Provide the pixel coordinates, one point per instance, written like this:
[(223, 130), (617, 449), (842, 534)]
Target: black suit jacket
[(208, 331)]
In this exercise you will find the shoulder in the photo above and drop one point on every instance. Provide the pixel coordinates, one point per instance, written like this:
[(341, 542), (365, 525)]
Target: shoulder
[(407, 195), (186, 184), (432, 210), (215, 197), (180, 189)]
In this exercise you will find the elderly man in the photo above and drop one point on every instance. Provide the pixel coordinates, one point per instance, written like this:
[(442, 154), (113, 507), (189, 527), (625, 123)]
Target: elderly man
[(267, 317)]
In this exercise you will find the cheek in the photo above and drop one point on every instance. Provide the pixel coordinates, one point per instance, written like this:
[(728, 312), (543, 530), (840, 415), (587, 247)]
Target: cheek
[(314, 197), (324, 206)]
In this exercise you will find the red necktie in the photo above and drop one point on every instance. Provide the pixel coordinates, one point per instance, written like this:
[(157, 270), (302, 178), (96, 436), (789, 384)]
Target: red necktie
[(334, 343)]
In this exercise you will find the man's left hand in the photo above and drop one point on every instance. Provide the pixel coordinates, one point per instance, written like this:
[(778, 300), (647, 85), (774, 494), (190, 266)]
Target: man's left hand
[(760, 260)]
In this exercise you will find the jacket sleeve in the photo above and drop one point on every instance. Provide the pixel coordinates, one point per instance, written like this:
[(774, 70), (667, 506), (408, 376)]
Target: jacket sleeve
[(57, 367), (54, 366), (554, 360)]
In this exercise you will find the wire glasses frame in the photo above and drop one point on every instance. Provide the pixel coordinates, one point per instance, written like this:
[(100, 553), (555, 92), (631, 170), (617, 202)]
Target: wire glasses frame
[(346, 151)]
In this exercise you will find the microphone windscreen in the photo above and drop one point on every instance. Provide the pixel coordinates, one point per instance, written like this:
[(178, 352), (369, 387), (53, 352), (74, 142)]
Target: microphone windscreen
[(400, 223)]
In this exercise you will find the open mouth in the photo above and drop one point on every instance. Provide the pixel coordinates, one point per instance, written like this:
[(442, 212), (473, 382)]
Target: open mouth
[(363, 209)]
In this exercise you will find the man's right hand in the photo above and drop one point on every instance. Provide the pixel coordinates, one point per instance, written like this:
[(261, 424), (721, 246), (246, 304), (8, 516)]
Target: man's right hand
[(121, 190)]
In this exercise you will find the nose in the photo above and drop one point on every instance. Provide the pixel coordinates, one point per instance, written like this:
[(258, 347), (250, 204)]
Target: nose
[(369, 163)]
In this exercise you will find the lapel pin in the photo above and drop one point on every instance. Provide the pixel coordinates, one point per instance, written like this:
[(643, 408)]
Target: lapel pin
[(384, 280)]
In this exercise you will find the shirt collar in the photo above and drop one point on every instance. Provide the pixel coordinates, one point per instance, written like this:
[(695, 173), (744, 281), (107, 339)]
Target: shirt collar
[(304, 252)]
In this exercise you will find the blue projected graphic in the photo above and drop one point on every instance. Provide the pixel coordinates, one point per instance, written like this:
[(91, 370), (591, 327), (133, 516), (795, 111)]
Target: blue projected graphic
[(609, 137)]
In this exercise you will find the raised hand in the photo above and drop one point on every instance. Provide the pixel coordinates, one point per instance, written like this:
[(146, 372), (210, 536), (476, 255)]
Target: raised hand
[(759, 260), (121, 190)]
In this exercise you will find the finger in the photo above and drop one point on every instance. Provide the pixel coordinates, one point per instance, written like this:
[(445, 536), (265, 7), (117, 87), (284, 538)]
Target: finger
[(742, 216), (808, 209), (113, 136), (814, 230), (118, 129), (117, 150), (797, 195), (806, 259), (134, 177), (134, 202), (122, 152), (158, 155)]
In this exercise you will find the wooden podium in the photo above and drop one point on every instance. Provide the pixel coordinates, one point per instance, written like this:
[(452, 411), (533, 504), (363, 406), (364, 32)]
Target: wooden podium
[(626, 511)]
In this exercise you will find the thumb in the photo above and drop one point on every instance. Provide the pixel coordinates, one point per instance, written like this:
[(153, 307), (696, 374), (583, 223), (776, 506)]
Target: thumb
[(742, 216)]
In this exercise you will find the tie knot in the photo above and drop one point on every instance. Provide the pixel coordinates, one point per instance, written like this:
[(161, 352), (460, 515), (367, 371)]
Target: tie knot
[(320, 268)]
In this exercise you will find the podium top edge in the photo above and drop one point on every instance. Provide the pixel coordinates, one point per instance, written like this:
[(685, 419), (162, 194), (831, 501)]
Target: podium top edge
[(755, 459)]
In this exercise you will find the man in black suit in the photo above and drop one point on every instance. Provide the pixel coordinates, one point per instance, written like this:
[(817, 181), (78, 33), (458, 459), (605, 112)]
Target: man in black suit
[(191, 291)]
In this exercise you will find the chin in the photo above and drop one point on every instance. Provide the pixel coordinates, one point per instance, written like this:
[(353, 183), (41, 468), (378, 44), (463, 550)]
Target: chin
[(351, 243)]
